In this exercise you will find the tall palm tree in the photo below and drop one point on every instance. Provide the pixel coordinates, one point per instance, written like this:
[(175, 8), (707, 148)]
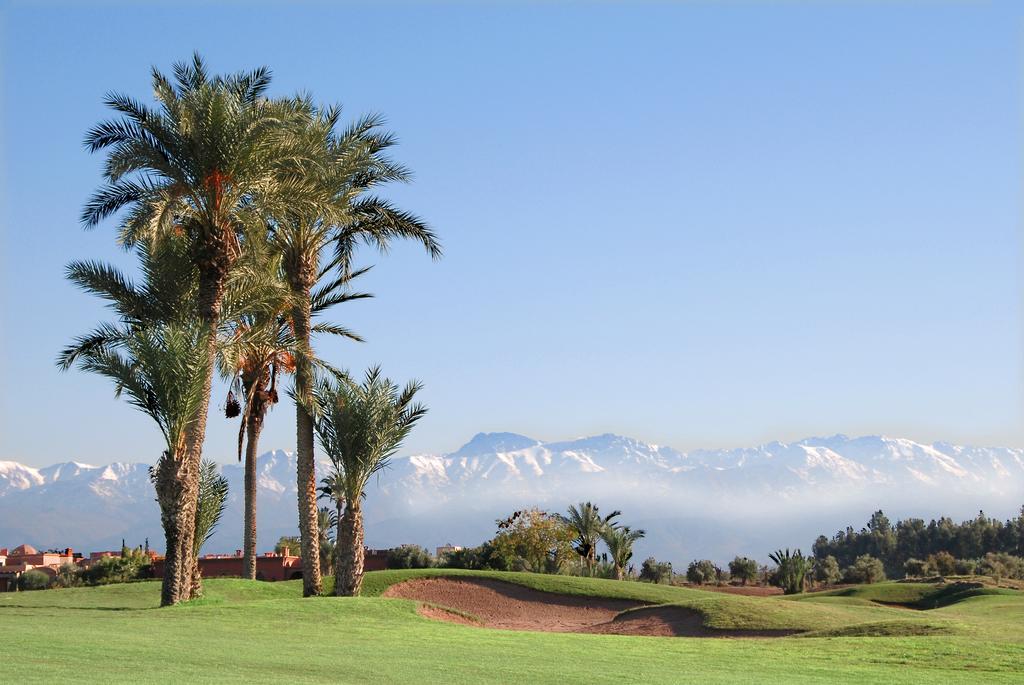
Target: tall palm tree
[(213, 152), (360, 428), (353, 164), (619, 540), (253, 358), (588, 524)]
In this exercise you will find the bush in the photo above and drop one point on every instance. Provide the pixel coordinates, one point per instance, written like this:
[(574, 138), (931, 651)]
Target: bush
[(33, 580), (743, 569), (866, 569), (827, 571), (916, 568), (409, 556), (654, 571), (792, 572), (965, 567), (134, 564), (483, 558), (942, 563), (702, 572), (68, 575), (1001, 565)]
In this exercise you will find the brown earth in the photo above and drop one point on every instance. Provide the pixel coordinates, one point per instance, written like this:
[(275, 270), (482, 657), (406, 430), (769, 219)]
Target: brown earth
[(514, 607)]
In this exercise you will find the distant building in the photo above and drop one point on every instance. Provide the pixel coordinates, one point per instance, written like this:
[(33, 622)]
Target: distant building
[(447, 549), (271, 566), (24, 558)]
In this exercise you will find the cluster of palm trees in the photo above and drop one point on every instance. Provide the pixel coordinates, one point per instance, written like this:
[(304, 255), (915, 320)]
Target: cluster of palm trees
[(591, 527), (245, 212)]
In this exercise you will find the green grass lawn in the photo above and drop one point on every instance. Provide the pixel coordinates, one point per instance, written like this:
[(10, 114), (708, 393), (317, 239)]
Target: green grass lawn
[(246, 631)]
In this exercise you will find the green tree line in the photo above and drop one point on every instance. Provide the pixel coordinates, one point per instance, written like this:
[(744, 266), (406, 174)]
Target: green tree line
[(913, 538)]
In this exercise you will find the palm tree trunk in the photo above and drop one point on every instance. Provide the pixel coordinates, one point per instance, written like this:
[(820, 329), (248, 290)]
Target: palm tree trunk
[(619, 573), (309, 533), (214, 260), (177, 515), (254, 425), (339, 503), (348, 574)]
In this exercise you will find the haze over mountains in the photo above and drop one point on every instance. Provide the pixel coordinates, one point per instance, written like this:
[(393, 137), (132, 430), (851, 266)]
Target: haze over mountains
[(706, 503)]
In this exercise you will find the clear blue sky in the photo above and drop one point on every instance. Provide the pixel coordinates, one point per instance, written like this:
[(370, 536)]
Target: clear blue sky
[(700, 225)]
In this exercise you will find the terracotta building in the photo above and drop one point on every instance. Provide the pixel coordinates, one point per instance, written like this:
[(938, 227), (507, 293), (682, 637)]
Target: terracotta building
[(27, 558), (270, 566)]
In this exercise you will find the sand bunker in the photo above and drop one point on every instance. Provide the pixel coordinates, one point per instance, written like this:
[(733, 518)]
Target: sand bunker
[(514, 607)]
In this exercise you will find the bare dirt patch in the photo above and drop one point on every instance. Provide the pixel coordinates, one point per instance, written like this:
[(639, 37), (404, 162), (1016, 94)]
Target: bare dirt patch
[(514, 607), (509, 606)]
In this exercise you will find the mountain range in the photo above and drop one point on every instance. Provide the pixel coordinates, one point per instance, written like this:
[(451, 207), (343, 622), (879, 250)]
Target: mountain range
[(704, 503)]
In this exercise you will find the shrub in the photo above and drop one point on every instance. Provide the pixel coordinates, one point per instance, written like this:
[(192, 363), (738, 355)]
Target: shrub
[(743, 569), (68, 575), (965, 567), (654, 571), (916, 568), (409, 556), (33, 580), (702, 572), (866, 569), (792, 571), (827, 571), (132, 565), (942, 563), (1001, 565)]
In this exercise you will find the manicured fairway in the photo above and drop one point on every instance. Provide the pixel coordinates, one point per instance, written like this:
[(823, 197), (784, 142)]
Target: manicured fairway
[(261, 632)]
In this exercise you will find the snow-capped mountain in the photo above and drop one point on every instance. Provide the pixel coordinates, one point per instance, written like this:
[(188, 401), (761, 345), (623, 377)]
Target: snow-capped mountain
[(701, 503)]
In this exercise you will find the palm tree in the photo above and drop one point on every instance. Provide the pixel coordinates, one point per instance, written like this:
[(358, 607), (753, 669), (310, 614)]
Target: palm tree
[(360, 428), (327, 522), (160, 369), (260, 350), (619, 540), (353, 164), (213, 497), (589, 525), (332, 487), (160, 302), (213, 153)]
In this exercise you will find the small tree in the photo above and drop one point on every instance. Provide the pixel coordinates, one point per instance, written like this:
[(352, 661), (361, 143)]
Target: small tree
[(826, 571), (865, 569), (540, 541), (792, 570), (589, 526), (619, 540), (68, 575), (654, 571), (702, 572), (361, 426), (744, 569)]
